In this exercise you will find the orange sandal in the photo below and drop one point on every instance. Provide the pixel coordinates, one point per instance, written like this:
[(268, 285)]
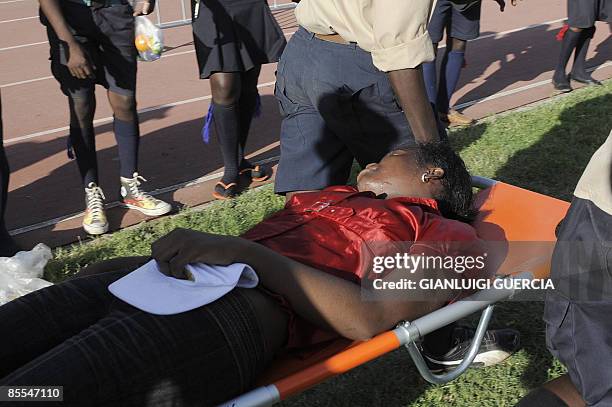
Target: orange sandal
[(258, 173), (223, 191)]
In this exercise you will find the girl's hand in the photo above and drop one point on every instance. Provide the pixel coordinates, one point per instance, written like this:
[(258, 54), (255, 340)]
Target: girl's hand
[(183, 246)]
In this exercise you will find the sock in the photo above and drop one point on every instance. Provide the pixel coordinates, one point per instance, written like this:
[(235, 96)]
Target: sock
[(249, 101), (429, 76), (227, 127), (582, 46), (83, 142), (451, 69), (570, 39), (127, 135)]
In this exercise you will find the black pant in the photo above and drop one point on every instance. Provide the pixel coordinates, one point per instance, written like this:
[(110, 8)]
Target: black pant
[(4, 178), (106, 352)]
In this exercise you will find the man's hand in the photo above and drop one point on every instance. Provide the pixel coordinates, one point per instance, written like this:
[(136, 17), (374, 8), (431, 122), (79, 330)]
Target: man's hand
[(502, 4), (78, 64), (142, 8), (513, 2), (183, 246)]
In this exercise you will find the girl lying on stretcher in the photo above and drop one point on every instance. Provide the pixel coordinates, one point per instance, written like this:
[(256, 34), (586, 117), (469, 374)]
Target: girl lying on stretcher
[(308, 258)]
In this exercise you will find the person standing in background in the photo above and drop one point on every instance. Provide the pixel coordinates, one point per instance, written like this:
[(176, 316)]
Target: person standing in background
[(581, 17), (8, 247), (92, 42), (461, 21), (233, 39)]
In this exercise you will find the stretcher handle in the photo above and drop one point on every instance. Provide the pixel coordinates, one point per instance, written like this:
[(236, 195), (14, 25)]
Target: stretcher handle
[(431, 377)]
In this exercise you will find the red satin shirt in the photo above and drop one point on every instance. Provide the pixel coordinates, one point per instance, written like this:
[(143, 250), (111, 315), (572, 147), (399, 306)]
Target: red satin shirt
[(331, 230)]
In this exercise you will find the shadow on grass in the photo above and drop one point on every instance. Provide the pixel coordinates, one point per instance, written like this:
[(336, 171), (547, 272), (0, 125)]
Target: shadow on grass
[(463, 137), (553, 165)]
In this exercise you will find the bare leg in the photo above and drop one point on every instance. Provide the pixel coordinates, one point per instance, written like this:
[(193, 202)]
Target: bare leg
[(565, 390)]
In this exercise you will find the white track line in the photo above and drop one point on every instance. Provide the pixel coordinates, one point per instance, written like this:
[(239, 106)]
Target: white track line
[(23, 46), (11, 1), (263, 85), (18, 19), (8, 85), (208, 97), (518, 90), (110, 118), (484, 37), (173, 54)]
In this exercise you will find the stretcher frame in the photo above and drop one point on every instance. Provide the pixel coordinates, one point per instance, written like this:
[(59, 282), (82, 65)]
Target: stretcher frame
[(547, 213)]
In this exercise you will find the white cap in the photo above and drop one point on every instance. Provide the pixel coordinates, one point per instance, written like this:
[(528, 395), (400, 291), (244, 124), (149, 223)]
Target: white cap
[(146, 288)]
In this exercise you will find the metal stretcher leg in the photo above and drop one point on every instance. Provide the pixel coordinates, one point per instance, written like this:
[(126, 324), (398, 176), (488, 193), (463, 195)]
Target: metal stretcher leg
[(431, 377)]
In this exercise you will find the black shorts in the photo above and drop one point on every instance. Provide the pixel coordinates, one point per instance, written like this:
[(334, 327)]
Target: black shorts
[(463, 25), (577, 313), (107, 36), (235, 35), (584, 13)]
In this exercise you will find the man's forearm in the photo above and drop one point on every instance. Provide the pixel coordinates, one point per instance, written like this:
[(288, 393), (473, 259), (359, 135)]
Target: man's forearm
[(53, 12), (409, 88)]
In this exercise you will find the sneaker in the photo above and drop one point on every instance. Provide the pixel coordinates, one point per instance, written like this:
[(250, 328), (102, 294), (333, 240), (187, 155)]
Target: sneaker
[(94, 222), (497, 345), (455, 118), (132, 197)]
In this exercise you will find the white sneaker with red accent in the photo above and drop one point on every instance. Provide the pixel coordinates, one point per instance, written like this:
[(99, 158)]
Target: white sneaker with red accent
[(94, 221), (134, 198)]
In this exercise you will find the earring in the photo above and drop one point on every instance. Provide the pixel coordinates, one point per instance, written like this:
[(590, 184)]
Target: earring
[(432, 173)]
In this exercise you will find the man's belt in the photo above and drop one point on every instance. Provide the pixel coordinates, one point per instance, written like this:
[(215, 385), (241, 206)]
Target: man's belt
[(337, 38)]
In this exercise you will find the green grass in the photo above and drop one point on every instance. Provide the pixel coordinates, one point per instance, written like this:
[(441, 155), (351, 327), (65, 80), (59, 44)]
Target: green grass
[(543, 149)]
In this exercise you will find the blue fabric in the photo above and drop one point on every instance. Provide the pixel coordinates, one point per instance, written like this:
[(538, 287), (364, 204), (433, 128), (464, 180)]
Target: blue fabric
[(452, 64), (149, 290), (127, 135), (207, 123), (69, 149), (431, 86), (257, 111)]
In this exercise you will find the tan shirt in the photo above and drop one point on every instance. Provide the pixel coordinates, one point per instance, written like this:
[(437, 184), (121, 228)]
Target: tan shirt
[(595, 184), (394, 31)]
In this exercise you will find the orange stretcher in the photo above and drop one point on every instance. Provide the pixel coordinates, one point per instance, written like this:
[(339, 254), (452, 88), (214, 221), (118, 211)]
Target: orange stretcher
[(506, 214)]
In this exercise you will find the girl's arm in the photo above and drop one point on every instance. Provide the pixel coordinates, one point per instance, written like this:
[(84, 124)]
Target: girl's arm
[(322, 299)]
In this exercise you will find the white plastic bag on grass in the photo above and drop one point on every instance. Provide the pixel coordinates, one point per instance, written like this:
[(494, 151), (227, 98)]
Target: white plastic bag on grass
[(21, 274), (149, 39)]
